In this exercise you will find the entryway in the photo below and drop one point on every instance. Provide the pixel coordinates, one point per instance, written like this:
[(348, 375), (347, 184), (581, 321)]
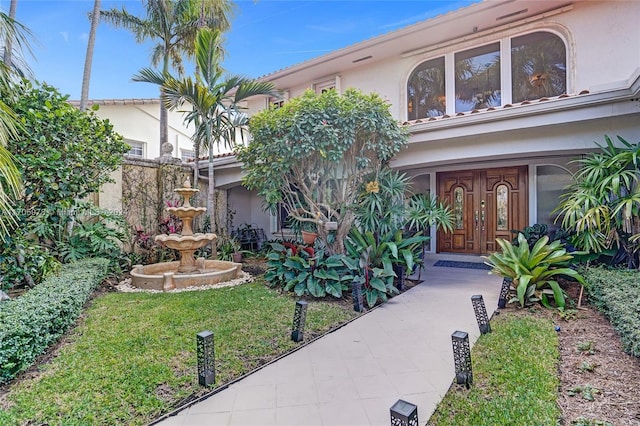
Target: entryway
[(487, 204)]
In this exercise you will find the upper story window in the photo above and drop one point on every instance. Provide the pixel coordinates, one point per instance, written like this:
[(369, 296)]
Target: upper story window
[(137, 149), (476, 78), (187, 154), (425, 90), (538, 66)]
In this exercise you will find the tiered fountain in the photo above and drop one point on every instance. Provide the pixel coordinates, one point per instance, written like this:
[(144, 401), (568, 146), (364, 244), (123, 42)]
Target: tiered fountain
[(188, 271)]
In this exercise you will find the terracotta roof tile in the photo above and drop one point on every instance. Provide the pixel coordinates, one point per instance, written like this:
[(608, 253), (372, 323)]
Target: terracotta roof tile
[(484, 110)]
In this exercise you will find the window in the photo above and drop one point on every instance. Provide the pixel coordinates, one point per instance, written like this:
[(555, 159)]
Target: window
[(477, 73), (551, 182), (187, 154), (137, 149), (325, 86), (425, 90), (538, 66)]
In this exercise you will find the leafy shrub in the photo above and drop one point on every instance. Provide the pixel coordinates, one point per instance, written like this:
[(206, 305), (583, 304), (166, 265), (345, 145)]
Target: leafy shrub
[(532, 270), (616, 293), (301, 269), (29, 324)]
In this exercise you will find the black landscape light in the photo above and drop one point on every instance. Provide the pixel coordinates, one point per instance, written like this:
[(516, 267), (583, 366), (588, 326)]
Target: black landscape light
[(206, 358), (504, 292), (299, 318), (404, 413), (356, 294), (481, 314), (462, 358)]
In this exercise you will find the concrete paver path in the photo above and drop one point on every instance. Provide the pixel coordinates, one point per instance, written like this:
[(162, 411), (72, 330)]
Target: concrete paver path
[(401, 350)]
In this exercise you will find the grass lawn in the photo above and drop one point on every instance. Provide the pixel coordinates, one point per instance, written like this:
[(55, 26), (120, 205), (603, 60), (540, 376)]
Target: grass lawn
[(515, 373), (133, 357)]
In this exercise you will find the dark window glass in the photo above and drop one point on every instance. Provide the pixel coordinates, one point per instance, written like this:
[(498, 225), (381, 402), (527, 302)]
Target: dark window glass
[(538, 66), (425, 90), (478, 78)]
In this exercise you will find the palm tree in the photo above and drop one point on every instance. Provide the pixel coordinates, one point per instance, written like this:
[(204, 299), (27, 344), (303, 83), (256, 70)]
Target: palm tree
[(602, 206), (86, 75), (8, 47), (214, 100), (11, 33), (173, 24)]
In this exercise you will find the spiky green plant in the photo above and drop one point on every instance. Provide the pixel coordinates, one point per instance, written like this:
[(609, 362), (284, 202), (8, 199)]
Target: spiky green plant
[(533, 271)]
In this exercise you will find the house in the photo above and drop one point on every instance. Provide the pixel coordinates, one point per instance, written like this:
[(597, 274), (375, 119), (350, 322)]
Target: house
[(499, 98)]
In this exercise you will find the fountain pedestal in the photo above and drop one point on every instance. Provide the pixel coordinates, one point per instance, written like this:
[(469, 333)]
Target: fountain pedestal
[(188, 271)]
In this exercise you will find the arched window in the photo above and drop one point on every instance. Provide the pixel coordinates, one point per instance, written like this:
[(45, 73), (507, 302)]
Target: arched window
[(425, 90), (538, 66)]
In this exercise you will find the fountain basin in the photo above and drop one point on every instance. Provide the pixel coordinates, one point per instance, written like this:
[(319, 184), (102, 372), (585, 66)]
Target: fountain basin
[(165, 276)]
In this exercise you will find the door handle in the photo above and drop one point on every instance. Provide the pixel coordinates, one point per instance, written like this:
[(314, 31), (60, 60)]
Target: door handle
[(476, 217)]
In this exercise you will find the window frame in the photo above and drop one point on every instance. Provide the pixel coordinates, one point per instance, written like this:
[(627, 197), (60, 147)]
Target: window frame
[(504, 43), (136, 144)]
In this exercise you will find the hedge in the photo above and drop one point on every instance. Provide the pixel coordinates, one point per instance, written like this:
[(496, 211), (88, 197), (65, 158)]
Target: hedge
[(616, 293), (31, 323)]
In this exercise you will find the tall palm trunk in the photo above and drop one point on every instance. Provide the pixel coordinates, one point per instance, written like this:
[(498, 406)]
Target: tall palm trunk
[(86, 76), (8, 47)]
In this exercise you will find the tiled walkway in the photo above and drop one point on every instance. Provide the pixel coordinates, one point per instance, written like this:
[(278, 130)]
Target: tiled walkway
[(354, 375)]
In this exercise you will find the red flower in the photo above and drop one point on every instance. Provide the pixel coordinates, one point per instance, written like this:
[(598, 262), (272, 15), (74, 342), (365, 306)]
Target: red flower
[(309, 251)]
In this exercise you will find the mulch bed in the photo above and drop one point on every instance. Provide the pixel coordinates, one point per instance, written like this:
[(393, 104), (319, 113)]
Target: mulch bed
[(591, 355)]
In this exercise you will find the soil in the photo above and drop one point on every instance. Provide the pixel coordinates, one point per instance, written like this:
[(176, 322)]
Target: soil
[(591, 356)]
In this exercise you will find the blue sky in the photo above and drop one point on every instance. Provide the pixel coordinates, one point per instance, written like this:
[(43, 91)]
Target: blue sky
[(266, 35)]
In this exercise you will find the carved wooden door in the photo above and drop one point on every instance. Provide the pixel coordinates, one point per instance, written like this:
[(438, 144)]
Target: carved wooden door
[(487, 204)]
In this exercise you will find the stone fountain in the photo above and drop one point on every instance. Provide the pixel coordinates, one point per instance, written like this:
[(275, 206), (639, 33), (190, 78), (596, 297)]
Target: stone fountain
[(188, 271)]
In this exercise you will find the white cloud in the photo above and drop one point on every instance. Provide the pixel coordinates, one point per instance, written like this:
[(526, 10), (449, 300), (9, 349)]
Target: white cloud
[(65, 35)]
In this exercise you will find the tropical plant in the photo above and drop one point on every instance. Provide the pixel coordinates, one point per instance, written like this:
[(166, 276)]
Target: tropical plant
[(380, 207), (313, 154), (531, 233), (173, 24), (532, 271), (602, 205), (425, 211), (371, 262), (303, 270), (13, 35), (215, 101)]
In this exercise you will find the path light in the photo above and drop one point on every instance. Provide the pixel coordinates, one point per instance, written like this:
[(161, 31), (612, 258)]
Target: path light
[(404, 413), (504, 292), (356, 294), (206, 358), (481, 314), (399, 270), (299, 317), (462, 358)]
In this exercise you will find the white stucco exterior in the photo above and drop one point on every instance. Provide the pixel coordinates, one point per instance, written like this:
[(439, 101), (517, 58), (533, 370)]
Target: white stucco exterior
[(602, 41)]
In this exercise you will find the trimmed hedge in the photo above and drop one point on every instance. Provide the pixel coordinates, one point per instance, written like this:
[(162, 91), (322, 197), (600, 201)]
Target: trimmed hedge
[(616, 293), (31, 323)]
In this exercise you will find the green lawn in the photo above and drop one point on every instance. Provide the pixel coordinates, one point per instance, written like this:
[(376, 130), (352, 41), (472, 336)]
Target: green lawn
[(515, 372), (133, 357)]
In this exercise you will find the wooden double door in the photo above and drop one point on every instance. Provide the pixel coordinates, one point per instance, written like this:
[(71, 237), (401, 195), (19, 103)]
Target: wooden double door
[(487, 204)]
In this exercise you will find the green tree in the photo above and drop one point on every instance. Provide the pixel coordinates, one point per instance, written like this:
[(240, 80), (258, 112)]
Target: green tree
[(314, 153), (213, 98), (13, 36), (64, 154), (174, 25), (602, 206)]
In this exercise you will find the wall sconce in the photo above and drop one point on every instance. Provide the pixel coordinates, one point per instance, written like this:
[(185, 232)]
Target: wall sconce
[(299, 318), (504, 292), (404, 413), (462, 358), (206, 358), (481, 314)]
